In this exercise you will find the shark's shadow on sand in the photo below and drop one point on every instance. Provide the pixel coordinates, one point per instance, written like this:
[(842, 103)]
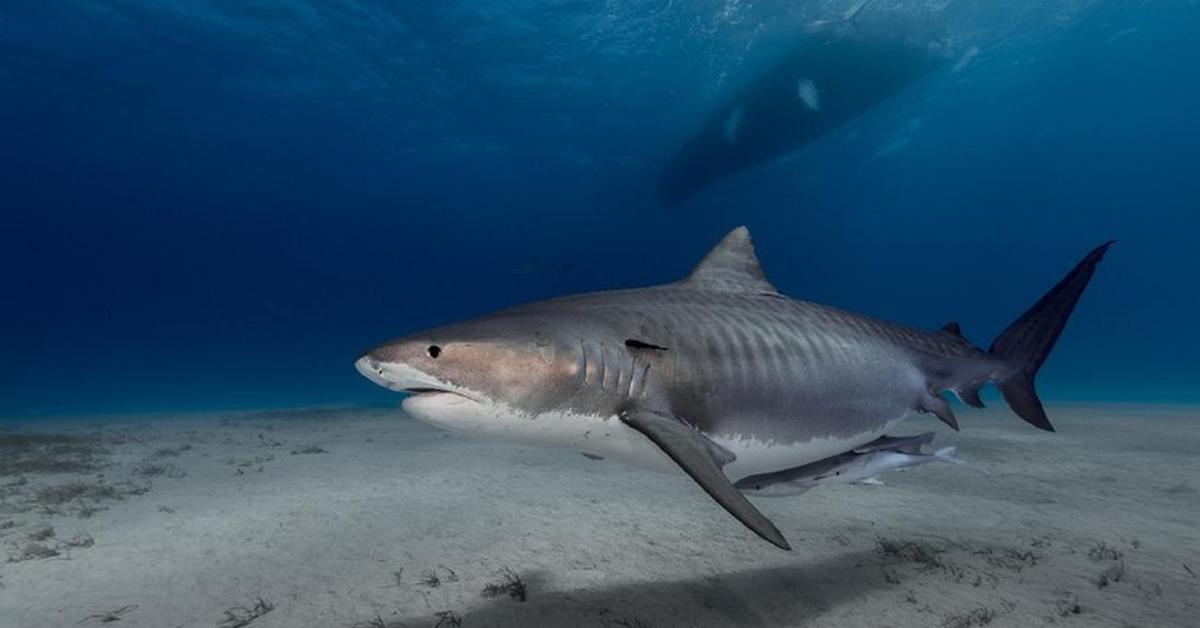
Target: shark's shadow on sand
[(753, 597)]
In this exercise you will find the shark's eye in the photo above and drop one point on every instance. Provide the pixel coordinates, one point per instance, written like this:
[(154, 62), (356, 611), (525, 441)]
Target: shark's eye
[(434, 351)]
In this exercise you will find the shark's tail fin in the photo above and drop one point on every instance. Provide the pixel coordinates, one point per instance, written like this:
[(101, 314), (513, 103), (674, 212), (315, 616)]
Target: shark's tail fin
[(1023, 347)]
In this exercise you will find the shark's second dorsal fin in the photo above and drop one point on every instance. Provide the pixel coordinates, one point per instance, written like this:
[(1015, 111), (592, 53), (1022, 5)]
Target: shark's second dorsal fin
[(731, 266), (952, 329)]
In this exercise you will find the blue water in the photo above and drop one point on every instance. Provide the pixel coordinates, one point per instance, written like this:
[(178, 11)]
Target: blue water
[(216, 204)]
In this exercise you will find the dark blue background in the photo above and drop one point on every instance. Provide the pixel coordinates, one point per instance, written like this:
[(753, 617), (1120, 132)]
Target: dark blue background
[(219, 204)]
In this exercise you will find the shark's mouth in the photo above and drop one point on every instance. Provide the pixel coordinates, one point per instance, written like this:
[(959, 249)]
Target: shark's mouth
[(425, 392)]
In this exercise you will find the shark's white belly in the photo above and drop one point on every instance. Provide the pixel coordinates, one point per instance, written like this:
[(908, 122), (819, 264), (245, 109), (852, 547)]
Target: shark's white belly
[(755, 456), (608, 437), (594, 434)]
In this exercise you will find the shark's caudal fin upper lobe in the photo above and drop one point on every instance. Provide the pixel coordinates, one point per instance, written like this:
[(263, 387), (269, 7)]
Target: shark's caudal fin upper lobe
[(1026, 343)]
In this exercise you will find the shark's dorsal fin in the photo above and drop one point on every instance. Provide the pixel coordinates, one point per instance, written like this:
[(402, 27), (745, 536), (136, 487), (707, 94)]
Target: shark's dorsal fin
[(731, 266)]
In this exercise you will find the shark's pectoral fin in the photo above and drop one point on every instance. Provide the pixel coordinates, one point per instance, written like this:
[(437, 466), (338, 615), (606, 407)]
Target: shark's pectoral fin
[(698, 457)]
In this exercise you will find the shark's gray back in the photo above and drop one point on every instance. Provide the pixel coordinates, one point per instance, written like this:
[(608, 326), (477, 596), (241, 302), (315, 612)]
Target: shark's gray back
[(750, 362)]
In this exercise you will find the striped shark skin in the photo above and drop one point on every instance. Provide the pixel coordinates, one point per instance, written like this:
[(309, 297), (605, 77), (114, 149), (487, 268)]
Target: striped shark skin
[(718, 374)]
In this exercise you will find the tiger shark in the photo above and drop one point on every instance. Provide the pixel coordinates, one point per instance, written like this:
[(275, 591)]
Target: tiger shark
[(718, 375)]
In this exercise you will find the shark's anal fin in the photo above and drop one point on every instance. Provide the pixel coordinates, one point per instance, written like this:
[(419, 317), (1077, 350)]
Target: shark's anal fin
[(696, 455), (970, 395)]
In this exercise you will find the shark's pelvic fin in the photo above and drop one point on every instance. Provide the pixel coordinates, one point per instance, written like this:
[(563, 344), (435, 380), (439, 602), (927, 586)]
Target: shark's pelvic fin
[(731, 266), (696, 455), (937, 406)]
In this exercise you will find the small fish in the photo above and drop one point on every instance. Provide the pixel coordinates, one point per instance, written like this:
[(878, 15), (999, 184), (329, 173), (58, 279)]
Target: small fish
[(859, 466)]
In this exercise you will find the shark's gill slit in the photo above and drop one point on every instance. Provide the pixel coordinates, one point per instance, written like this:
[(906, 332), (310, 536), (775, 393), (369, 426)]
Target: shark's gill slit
[(612, 368), (624, 371), (637, 378), (593, 365), (581, 365), (643, 381), (603, 374)]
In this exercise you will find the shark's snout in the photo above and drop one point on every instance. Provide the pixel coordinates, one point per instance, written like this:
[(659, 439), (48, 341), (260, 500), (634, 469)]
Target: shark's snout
[(391, 375), (401, 376), (371, 369)]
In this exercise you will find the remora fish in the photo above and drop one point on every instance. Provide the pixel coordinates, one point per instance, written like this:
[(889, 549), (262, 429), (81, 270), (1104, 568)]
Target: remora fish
[(841, 70), (719, 371), (860, 465)]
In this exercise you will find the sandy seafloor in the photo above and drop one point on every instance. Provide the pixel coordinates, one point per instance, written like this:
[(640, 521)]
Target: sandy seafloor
[(172, 520)]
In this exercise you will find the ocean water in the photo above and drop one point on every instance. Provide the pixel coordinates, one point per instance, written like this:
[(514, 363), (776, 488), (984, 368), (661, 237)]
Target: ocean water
[(210, 208), (212, 204)]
